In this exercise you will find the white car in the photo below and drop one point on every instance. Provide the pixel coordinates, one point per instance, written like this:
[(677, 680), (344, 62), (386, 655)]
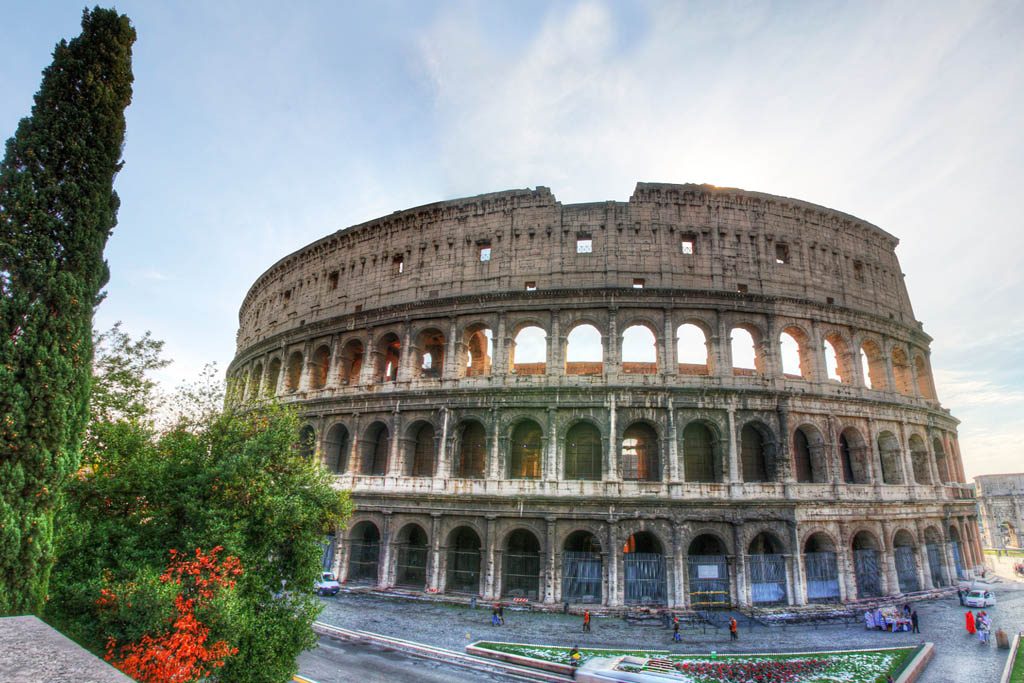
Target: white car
[(327, 585), (980, 598)]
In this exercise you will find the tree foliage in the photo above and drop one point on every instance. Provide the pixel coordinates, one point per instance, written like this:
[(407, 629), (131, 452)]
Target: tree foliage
[(228, 478), (57, 209)]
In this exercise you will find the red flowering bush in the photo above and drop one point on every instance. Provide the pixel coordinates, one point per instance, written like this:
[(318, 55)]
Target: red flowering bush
[(761, 671), (180, 651)]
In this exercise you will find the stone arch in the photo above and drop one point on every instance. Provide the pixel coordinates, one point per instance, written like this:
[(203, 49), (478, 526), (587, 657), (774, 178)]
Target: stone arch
[(336, 448), (254, 381), (412, 547), (796, 353), (941, 461), (905, 554), (520, 576), (867, 563), (935, 549), (854, 457), (375, 447), (364, 553), (766, 564), (919, 460), (745, 344), (821, 569), (584, 349), (471, 450), (582, 567), (702, 457), (639, 456), (925, 385), (757, 452), (388, 354), (584, 451), (810, 464), (477, 350), (892, 458), (526, 450), (901, 373), (319, 365), (639, 348), (293, 373), (529, 350), (430, 350), (273, 375), (462, 557), (838, 366), (693, 349), (351, 362), (421, 449), (708, 570), (872, 363)]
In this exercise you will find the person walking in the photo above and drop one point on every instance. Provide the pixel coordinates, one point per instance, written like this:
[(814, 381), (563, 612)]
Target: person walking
[(960, 594), (914, 623), (586, 621), (733, 629), (970, 622), (501, 613), (676, 638)]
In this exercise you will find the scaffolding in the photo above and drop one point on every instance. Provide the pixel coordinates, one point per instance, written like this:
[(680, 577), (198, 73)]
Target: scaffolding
[(822, 576), (767, 579), (645, 578), (709, 581), (581, 576)]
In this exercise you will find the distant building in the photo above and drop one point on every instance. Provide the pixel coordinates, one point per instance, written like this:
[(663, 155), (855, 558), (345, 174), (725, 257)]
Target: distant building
[(1001, 508)]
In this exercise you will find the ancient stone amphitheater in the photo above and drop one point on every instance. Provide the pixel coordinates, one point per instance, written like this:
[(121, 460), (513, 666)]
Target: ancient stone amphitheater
[(699, 397)]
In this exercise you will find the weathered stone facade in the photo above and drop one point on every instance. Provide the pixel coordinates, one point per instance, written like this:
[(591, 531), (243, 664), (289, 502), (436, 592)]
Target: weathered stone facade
[(1001, 506), (662, 479)]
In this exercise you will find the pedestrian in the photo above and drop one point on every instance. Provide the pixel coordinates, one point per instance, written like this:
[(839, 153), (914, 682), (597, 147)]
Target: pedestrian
[(960, 594), (676, 638), (501, 613), (983, 626), (495, 621), (586, 621), (970, 622), (574, 658), (733, 629), (913, 622)]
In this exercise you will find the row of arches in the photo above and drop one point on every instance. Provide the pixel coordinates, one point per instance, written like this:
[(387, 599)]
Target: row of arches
[(638, 570), (524, 453), (583, 351)]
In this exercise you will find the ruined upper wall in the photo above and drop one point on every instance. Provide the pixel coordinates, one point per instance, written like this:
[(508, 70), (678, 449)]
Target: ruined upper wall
[(1000, 485), (741, 241)]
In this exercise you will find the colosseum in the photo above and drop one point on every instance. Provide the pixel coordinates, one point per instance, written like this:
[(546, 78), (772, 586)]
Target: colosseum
[(699, 397)]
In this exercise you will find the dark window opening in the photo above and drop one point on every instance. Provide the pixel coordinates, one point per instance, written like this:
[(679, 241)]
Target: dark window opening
[(782, 253), (638, 283), (332, 279)]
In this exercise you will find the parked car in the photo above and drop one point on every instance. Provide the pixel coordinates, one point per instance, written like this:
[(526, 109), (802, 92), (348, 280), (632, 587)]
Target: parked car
[(980, 598), (327, 585)]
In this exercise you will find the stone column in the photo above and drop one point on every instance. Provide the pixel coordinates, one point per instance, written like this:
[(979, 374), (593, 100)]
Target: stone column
[(892, 583), (434, 574), (771, 363), (784, 459), (495, 468), (490, 569), (734, 474), (742, 596), (556, 344), (549, 570), (876, 455), (675, 472), (500, 344), (890, 376), (384, 569), (371, 358), (283, 373), (339, 549), (844, 564), (334, 363), (835, 458), (799, 594), (395, 468), (452, 351), (613, 442), (550, 465), (906, 455), (682, 579), (304, 372), (670, 364), (925, 564), (410, 351), (933, 463), (820, 369), (441, 472), (614, 556), (613, 364), (721, 345), (344, 552)]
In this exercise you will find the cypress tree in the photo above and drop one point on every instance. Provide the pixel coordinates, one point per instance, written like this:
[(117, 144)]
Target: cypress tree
[(57, 209)]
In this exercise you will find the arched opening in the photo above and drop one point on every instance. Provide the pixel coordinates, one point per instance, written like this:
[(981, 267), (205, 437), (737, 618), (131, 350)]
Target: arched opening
[(709, 573), (524, 458), (389, 354), (809, 455), (901, 372), (337, 448), (795, 352), (463, 573), (941, 461), (584, 351), (837, 359), (364, 553), (319, 365), (746, 361), (639, 351), (521, 566), (472, 452), (958, 552), (692, 350), (411, 565), (306, 445), (867, 569), (906, 562), (892, 463), (581, 568), (639, 457), (583, 452), (293, 377), (936, 557), (254, 381), (529, 352), (756, 453), (925, 386), (699, 461), (273, 375), (351, 362), (873, 366), (821, 569), (430, 350), (919, 460), (475, 359), (375, 447), (853, 457), (766, 564), (423, 459), (643, 564)]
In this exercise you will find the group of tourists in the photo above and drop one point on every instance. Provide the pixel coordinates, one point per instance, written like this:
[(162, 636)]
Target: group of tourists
[(980, 624), (892, 618)]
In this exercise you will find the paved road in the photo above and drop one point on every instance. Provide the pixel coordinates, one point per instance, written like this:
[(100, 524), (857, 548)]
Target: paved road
[(339, 662), (958, 657)]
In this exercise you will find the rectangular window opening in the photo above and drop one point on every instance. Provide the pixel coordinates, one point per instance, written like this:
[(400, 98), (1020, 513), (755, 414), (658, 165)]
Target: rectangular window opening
[(782, 253), (359, 307), (687, 246), (531, 286), (485, 253), (584, 245), (333, 280), (741, 289), (398, 265), (638, 283)]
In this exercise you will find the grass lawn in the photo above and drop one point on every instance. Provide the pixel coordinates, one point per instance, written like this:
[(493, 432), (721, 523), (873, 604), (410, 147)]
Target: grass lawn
[(1017, 673), (1007, 553), (855, 666)]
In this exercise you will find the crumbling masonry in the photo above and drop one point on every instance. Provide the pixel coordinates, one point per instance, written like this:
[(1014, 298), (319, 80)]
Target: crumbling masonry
[(431, 354)]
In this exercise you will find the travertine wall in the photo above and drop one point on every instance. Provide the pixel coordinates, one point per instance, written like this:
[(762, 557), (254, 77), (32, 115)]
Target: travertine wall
[(453, 449), (1001, 504)]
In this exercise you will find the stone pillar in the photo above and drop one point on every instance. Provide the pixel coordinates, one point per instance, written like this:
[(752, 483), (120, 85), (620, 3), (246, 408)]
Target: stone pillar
[(334, 364), (550, 465), (495, 467), (549, 569), (835, 458), (734, 474), (434, 573), (339, 549), (490, 569), (614, 598), (844, 564), (924, 565), (670, 363), (500, 345), (876, 455), (906, 456), (409, 353), (784, 459), (675, 472), (933, 463), (556, 344), (890, 376), (892, 583), (856, 365), (304, 372), (771, 363), (452, 351), (820, 369), (283, 373), (613, 441), (613, 362), (384, 569), (344, 552), (371, 358), (742, 597), (394, 468), (443, 466), (682, 579), (799, 594), (722, 346)]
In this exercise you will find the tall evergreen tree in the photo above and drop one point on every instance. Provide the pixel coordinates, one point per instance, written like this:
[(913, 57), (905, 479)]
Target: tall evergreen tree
[(57, 209)]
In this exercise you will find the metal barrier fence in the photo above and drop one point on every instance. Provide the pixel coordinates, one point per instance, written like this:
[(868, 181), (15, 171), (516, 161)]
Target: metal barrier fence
[(412, 566), (709, 581), (936, 564), (363, 560), (906, 569), (869, 579), (644, 578), (581, 576), (521, 575), (767, 579), (463, 575), (822, 576)]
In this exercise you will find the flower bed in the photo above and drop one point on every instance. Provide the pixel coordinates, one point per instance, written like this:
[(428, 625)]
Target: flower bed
[(853, 666)]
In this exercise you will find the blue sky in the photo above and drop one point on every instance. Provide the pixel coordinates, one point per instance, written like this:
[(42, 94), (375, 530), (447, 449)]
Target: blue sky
[(257, 128)]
